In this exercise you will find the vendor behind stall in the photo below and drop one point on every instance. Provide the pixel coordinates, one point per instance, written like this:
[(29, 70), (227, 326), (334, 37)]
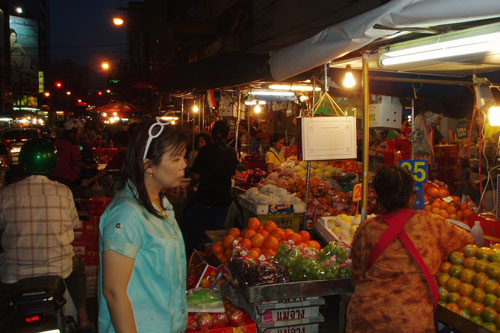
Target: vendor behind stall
[(275, 156), (425, 135)]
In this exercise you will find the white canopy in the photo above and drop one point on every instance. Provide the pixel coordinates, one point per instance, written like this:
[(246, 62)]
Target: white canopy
[(352, 34)]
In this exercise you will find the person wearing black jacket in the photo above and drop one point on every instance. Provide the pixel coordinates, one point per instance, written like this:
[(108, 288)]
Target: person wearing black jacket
[(212, 169)]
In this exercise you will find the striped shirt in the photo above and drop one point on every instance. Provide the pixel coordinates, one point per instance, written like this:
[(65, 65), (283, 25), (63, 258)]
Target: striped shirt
[(37, 218)]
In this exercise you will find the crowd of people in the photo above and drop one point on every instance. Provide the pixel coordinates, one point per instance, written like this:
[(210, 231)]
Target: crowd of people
[(143, 248)]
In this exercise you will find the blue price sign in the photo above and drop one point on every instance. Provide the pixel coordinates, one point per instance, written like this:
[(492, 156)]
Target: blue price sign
[(420, 171)]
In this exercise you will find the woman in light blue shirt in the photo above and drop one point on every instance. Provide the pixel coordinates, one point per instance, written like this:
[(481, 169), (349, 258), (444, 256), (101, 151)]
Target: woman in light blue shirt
[(142, 276)]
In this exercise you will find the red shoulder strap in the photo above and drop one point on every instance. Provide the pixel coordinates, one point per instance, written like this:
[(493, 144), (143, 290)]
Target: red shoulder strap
[(396, 223), (423, 266), (396, 229)]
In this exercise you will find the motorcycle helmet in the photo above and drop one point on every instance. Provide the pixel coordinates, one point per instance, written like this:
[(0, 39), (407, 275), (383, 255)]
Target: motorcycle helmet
[(38, 156)]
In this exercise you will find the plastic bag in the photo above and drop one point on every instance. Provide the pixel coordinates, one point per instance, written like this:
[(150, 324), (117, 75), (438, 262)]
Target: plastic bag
[(205, 300)]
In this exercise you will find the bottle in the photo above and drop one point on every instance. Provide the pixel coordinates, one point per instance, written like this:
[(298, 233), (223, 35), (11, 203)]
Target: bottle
[(478, 234)]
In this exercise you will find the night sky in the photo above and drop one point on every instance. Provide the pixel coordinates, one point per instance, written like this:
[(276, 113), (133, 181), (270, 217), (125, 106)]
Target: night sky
[(82, 30)]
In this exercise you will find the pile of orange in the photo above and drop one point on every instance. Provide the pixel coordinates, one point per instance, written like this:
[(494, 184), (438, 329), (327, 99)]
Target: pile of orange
[(260, 239), (469, 285), (439, 201)]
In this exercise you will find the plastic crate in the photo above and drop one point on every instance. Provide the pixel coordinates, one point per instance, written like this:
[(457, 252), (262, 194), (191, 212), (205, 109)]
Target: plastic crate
[(283, 221)]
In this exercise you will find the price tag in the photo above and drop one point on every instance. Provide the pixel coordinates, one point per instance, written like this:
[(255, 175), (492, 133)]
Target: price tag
[(357, 192), (420, 171)]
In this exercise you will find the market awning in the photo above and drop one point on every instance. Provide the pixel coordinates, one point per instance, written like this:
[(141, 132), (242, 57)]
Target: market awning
[(357, 32)]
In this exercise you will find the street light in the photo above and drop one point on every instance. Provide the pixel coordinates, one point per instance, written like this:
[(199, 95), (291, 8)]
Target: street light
[(46, 94), (19, 10), (105, 65), (68, 92), (118, 21)]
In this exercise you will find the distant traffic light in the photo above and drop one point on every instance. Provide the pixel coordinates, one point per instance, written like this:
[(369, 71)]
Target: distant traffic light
[(58, 84), (99, 93)]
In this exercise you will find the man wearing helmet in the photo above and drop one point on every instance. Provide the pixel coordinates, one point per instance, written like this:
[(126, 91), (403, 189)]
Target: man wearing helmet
[(37, 218)]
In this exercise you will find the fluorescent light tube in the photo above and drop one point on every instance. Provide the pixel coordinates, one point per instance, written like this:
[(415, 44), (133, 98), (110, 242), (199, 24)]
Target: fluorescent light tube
[(437, 50), (271, 93)]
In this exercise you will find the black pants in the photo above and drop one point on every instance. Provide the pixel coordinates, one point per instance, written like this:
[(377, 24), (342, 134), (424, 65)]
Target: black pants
[(76, 283)]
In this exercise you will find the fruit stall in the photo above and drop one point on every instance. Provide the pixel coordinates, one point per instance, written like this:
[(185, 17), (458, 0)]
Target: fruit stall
[(278, 276)]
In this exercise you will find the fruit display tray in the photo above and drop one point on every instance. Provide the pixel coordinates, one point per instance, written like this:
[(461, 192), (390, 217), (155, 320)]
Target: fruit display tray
[(457, 322), (281, 291)]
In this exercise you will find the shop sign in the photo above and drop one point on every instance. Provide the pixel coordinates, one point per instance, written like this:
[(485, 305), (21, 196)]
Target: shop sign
[(357, 192), (419, 169)]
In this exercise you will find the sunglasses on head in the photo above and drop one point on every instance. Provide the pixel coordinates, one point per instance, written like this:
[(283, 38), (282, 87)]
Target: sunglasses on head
[(159, 125)]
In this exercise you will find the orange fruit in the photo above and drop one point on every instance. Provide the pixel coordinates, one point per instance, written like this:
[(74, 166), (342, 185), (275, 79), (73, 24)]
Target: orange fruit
[(272, 243), (246, 243), (227, 253), (227, 242), (442, 278), (257, 240), (295, 238), (248, 233), (466, 289), (235, 232), (305, 235), (278, 233), (270, 253), (270, 226), (476, 308), (263, 232), (452, 284), (254, 223), (288, 231), (217, 248), (478, 295), (464, 302), (480, 279), (255, 252), (445, 267), (490, 286), (314, 244), (467, 275), (452, 307), (451, 209)]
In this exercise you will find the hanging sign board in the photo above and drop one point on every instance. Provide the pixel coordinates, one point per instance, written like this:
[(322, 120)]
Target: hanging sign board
[(326, 138)]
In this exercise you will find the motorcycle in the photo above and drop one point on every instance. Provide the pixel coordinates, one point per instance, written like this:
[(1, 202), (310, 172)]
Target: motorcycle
[(41, 304)]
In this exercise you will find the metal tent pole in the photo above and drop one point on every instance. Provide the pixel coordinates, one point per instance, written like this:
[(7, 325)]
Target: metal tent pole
[(366, 134)]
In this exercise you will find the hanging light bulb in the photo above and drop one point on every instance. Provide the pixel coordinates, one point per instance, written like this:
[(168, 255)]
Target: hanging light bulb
[(195, 108), (257, 109), (494, 116), (349, 80)]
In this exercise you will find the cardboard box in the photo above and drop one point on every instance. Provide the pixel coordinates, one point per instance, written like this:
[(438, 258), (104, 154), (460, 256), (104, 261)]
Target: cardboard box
[(386, 112), (490, 226)]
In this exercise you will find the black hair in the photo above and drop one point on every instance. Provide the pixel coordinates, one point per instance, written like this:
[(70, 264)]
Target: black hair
[(204, 136), (220, 131), (275, 138), (172, 138), (13, 31), (394, 187)]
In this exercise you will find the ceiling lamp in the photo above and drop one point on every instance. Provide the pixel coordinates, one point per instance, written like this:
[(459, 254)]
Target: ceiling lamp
[(494, 116), (349, 80), (195, 108), (257, 109), (254, 102), (464, 42)]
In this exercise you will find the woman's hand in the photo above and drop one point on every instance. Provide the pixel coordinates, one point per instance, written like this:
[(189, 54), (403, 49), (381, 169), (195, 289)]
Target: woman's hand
[(116, 273)]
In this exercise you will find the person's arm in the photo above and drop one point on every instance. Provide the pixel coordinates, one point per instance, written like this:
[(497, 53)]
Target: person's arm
[(117, 270), (97, 176)]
